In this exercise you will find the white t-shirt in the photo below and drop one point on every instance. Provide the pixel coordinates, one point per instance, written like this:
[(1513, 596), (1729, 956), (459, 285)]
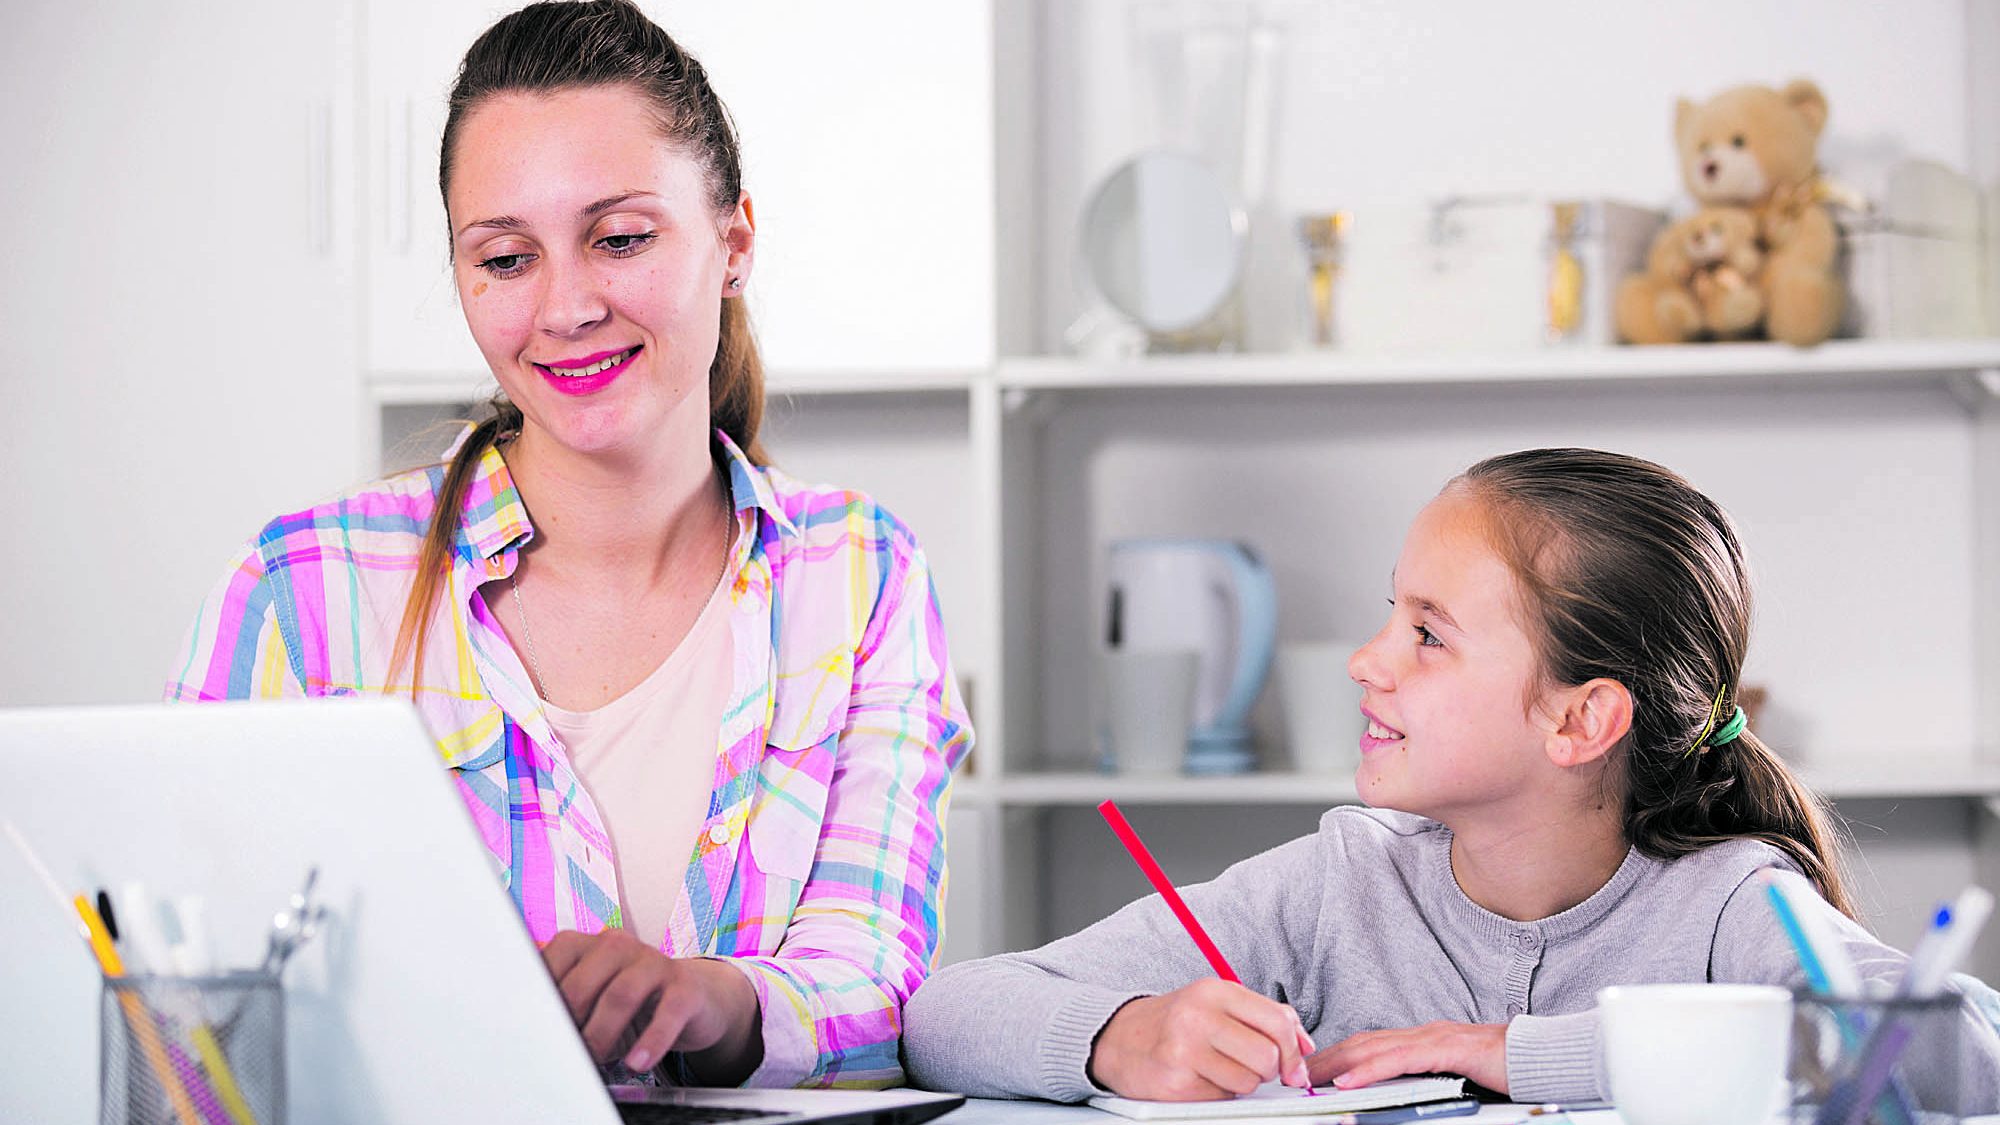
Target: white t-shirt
[(647, 758)]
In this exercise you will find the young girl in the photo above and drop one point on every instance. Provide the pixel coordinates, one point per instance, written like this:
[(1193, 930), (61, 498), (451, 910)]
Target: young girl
[(1565, 796), (702, 714)]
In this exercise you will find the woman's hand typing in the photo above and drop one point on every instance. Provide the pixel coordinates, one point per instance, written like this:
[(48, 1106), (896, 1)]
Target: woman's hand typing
[(632, 1000), (1207, 1041), (1476, 1050)]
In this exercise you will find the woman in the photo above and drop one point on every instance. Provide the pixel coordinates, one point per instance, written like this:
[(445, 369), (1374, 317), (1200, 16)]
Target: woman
[(702, 715)]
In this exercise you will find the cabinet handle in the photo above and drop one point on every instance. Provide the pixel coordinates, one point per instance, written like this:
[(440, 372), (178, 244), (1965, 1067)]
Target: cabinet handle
[(319, 176), (396, 171)]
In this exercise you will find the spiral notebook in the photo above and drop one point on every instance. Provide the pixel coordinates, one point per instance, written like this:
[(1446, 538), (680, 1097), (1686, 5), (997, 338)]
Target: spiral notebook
[(1275, 1100)]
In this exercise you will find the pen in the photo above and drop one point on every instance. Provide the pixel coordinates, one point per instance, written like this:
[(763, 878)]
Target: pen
[(104, 911), (136, 1015), (1147, 864), (1953, 929), (1456, 1108)]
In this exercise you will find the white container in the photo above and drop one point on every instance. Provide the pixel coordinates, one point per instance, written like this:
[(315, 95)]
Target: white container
[(1148, 709), (1696, 1054), (1322, 706), (1913, 262), (1474, 273)]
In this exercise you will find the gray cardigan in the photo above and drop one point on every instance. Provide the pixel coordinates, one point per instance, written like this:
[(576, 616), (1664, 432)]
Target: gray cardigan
[(1362, 926)]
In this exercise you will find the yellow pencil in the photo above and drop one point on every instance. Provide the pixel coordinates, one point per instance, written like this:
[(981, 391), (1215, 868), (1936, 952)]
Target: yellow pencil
[(136, 1015), (218, 1073)]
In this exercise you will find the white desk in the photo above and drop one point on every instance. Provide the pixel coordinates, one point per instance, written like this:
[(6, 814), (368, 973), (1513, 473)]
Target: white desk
[(991, 1111)]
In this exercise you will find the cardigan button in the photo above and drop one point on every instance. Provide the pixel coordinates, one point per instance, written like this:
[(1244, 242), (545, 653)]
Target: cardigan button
[(718, 834)]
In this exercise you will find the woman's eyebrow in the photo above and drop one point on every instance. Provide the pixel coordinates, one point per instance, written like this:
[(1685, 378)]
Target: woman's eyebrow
[(610, 201), (509, 222)]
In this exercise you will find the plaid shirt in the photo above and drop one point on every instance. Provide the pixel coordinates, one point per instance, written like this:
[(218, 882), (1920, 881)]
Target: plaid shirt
[(819, 871)]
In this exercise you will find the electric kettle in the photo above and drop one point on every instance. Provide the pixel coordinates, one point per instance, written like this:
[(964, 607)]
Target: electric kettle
[(1211, 596)]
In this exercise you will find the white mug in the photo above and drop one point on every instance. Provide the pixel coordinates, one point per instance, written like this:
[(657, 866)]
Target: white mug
[(1149, 709), (1322, 707), (1696, 1054)]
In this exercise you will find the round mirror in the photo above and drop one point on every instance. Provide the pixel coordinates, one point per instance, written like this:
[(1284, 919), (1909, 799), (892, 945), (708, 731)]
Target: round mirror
[(1162, 241)]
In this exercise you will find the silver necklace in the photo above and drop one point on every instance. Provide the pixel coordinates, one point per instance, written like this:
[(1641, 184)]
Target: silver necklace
[(528, 634)]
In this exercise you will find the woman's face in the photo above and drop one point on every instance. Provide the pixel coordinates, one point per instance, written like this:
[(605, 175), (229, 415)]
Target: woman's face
[(1447, 681), (590, 264)]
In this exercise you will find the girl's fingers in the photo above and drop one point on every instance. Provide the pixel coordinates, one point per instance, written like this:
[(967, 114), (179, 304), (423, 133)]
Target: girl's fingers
[(1239, 1057), (1278, 1026)]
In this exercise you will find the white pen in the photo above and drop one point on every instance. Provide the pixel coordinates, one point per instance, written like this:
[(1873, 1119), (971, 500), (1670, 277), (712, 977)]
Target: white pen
[(1843, 979), (140, 916), (1953, 929), (189, 945)]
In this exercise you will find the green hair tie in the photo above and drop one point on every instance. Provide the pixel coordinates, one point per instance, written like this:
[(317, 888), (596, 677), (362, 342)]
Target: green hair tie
[(1730, 730)]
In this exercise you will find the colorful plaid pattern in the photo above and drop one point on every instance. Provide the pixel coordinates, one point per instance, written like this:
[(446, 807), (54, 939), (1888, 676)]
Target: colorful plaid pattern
[(820, 871)]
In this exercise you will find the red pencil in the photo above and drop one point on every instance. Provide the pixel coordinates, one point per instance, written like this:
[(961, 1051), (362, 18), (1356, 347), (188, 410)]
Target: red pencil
[(1158, 878), (1109, 809)]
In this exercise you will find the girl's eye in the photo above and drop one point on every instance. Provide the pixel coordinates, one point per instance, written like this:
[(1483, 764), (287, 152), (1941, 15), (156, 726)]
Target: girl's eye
[(1426, 638), (505, 265), (624, 245)]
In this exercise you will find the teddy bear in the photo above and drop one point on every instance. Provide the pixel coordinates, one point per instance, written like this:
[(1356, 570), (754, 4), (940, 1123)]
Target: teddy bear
[(1753, 148), (1723, 263)]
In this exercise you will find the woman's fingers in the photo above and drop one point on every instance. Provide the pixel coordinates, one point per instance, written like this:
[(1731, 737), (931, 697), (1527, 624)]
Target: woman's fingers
[(562, 951), (671, 1012)]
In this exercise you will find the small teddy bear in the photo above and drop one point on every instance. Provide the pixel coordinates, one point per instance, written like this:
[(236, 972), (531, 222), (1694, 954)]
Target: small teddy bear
[(1723, 266), (1753, 148)]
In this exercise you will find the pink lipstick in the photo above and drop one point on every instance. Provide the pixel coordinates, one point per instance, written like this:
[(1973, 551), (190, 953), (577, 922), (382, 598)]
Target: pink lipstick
[(588, 374)]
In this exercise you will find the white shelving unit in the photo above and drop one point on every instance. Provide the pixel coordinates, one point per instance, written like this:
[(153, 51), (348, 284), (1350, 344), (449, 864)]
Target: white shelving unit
[(1866, 474), (1007, 450)]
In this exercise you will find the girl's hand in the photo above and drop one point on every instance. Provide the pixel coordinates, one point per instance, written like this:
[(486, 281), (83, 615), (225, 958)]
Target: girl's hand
[(1208, 1041), (630, 999), (1476, 1050)]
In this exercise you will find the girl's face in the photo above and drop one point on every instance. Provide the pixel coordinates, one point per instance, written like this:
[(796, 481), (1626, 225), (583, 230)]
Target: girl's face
[(1446, 684), (590, 265)]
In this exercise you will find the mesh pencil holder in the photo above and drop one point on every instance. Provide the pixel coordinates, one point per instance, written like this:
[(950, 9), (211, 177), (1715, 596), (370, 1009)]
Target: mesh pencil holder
[(1876, 1061), (193, 1050)]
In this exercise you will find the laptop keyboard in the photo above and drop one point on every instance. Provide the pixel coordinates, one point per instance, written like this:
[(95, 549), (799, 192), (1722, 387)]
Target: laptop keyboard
[(643, 1113)]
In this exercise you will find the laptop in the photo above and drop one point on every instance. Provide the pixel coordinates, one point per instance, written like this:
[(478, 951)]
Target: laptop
[(421, 999)]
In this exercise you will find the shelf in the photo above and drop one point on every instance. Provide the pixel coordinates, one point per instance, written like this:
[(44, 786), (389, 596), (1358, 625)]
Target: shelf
[(1846, 361), (1908, 778), (449, 389), (1873, 361)]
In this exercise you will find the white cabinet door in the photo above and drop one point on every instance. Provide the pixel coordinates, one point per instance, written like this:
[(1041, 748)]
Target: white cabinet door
[(178, 318), (867, 133), (413, 49)]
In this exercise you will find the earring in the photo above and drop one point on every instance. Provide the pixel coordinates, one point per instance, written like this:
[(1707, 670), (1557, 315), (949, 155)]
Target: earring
[(736, 283)]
